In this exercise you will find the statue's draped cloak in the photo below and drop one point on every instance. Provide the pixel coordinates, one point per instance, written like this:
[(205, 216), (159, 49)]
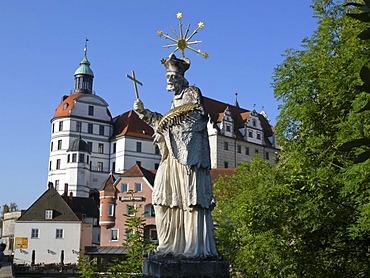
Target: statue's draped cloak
[(188, 144), (182, 193)]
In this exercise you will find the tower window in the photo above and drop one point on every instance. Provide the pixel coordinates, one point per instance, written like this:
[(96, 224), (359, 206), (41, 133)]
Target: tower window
[(91, 110), (114, 147), (138, 147), (90, 144), (58, 164), (110, 209), (60, 126), (51, 146), (101, 148), (56, 184), (59, 144), (82, 157), (90, 128), (78, 126), (101, 130), (100, 166), (74, 157)]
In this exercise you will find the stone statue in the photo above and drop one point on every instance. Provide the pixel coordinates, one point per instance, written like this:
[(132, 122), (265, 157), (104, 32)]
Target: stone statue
[(182, 194)]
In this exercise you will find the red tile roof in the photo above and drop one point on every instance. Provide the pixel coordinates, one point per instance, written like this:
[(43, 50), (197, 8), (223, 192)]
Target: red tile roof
[(69, 101), (217, 172), (129, 124), (108, 184), (138, 171)]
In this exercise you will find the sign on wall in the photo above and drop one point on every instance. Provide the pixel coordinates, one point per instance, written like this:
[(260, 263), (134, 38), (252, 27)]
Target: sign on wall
[(21, 242)]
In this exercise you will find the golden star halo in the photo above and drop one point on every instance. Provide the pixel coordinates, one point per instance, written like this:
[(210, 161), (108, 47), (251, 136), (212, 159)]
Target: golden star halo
[(182, 41)]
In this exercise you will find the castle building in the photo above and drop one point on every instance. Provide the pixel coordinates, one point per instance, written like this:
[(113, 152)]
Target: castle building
[(87, 143)]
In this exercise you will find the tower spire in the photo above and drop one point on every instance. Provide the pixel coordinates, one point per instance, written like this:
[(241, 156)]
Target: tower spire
[(236, 100), (84, 75)]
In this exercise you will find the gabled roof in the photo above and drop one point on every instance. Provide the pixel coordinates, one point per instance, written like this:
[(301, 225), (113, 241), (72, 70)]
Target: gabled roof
[(138, 171), (216, 110), (129, 124), (50, 200)]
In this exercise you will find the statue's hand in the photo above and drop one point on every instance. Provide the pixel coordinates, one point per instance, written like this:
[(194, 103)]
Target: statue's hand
[(138, 106)]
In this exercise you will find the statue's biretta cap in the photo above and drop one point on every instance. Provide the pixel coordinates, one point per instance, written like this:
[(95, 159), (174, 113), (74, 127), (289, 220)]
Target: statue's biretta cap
[(173, 64)]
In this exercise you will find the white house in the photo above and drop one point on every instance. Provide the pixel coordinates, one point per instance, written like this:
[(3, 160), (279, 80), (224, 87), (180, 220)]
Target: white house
[(55, 229)]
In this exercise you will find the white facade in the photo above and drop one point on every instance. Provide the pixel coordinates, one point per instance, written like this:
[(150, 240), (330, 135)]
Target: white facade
[(48, 242), (134, 150)]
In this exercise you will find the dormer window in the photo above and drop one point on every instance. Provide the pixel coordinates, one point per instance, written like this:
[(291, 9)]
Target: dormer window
[(91, 110), (65, 105), (228, 129), (259, 136), (250, 134), (49, 214), (254, 122)]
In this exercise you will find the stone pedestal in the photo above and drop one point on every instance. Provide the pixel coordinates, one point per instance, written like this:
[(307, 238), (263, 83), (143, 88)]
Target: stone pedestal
[(175, 268)]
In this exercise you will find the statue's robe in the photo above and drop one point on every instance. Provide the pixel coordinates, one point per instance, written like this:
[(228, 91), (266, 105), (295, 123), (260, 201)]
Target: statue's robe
[(182, 194)]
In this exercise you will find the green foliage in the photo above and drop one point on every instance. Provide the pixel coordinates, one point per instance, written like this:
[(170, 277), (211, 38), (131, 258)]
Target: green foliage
[(87, 268), (309, 215)]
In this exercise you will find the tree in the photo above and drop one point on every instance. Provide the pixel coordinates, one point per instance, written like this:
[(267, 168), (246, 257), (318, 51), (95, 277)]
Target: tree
[(87, 268), (137, 245), (309, 215), (249, 214), (328, 193)]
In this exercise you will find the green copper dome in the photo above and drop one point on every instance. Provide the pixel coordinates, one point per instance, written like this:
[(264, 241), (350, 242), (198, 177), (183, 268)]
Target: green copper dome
[(84, 67)]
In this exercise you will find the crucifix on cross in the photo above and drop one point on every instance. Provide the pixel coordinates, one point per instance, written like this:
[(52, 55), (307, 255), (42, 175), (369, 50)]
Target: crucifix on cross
[(133, 78)]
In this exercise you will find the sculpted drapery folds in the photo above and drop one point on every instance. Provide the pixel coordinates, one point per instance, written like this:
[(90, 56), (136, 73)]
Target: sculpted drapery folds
[(182, 194)]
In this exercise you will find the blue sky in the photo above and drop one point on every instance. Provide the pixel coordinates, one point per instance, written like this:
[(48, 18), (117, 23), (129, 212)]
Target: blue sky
[(42, 44)]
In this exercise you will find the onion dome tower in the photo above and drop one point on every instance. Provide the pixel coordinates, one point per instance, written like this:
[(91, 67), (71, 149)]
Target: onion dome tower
[(84, 76), (79, 159), (108, 197)]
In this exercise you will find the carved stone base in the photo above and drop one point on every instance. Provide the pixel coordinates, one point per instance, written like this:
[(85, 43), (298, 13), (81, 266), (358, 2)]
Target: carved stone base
[(172, 268)]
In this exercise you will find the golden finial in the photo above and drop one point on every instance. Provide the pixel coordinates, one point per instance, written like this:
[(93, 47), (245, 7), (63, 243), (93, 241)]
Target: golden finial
[(182, 41)]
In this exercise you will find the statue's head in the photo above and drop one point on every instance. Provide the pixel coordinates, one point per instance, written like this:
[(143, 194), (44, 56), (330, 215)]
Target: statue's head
[(175, 71)]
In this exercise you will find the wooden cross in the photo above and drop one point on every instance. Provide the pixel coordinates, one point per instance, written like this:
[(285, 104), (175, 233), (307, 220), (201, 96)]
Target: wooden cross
[(133, 78)]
